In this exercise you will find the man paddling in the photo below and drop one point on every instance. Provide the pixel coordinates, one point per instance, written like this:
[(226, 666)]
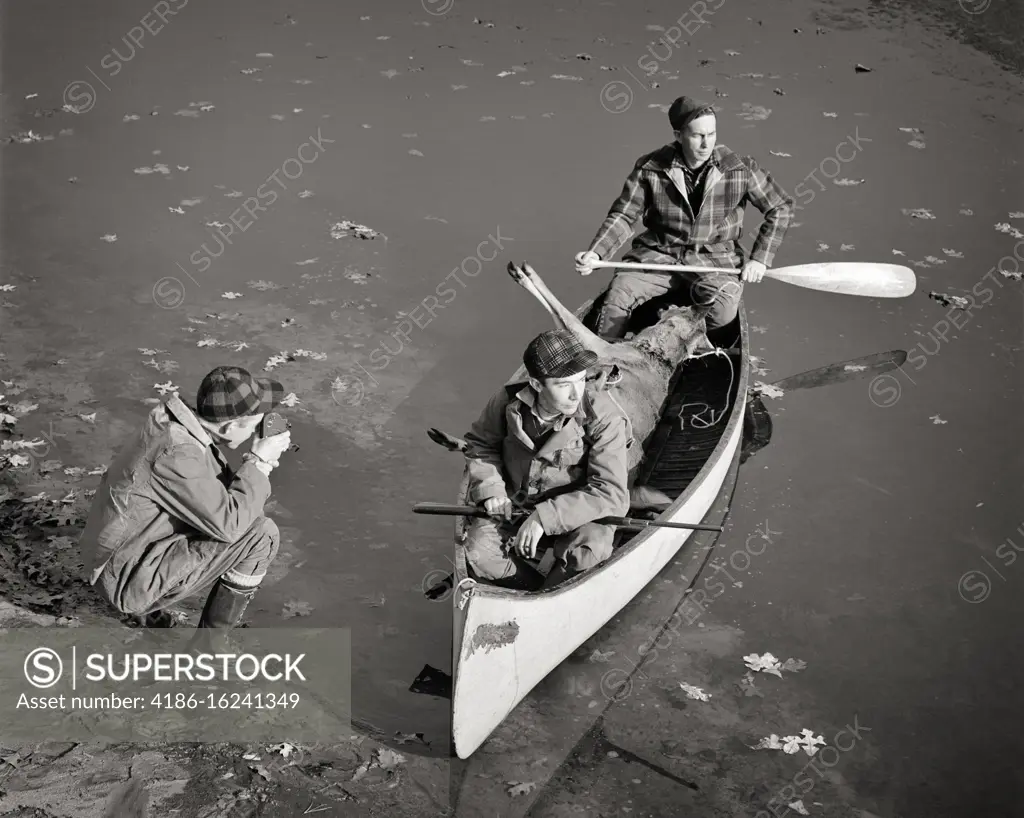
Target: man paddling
[(171, 518), (556, 449), (691, 194)]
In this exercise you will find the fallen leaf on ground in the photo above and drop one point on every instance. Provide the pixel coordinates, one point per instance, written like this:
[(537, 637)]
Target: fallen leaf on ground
[(966, 211), (952, 253), (164, 388), (411, 737), (521, 788), (566, 77), (230, 295), (177, 210), (386, 759), (263, 285), (1010, 230), (798, 806), (772, 742), (848, 182), (90, 418), (109, 237), (732, 53), (780, 153), (896, 252), (810, 742), (601, 656), (795, 665), (851, 368), (936, 420), (917, 213), (295, 607), (289, 400), (1016, 214), (415, 152), (305, 194), (391, 73)]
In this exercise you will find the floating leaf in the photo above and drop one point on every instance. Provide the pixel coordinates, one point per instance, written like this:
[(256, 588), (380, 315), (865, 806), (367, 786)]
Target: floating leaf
[(766, 663), (753, 113), (956, 301), (769, 391), (296, 607), (694, 692)]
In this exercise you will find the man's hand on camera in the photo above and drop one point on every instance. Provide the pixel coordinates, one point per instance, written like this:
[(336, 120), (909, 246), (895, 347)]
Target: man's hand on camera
[(271, 448)]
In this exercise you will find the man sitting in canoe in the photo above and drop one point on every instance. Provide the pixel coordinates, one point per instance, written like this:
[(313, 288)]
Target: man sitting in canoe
[(554, 448), (691, 195)]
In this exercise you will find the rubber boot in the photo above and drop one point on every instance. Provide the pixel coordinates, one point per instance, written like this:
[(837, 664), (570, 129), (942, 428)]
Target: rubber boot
[(223, 611)]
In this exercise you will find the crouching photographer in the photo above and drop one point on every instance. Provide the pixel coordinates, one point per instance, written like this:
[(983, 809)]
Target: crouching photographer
[(170, 517)]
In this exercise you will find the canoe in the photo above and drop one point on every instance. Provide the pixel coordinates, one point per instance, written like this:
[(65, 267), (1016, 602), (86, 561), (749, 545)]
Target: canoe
[(504, 642)]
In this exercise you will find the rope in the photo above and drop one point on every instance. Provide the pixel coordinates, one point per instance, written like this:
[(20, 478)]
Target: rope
[(697, 421)]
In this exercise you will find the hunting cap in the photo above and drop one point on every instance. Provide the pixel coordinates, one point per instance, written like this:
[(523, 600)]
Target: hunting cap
[(686, 109), (557, 354), (230, 392)]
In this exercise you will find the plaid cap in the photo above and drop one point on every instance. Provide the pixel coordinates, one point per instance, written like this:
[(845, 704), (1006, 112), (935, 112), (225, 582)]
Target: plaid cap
[(557, 354), (686, 109), (230, 392)]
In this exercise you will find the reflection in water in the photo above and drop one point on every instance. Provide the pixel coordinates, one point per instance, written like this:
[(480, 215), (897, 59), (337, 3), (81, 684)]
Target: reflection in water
[(757, 422)]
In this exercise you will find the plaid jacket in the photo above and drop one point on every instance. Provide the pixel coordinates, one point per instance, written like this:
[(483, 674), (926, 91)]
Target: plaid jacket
[(656, 190), (577, 475)]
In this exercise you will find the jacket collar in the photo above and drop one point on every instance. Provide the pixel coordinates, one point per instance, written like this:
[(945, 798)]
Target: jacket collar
[(177, 409), (671, 157)]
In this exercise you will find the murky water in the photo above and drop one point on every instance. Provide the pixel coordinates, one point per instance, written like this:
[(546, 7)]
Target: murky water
[(885, 496)]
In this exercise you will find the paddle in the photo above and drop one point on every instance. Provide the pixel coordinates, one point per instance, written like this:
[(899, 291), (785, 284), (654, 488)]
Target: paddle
[(621, 522), (845, 277)]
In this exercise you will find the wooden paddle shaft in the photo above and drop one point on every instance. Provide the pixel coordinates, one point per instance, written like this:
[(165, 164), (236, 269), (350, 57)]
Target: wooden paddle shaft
[(670, 268), (621, 522)]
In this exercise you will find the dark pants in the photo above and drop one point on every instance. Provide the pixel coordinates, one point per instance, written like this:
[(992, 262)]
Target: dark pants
[(158, 575), (580, 549), (631, 288)]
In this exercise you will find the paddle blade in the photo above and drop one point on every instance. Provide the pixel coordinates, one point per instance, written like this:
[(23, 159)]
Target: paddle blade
[(866, 367), (850, 278)]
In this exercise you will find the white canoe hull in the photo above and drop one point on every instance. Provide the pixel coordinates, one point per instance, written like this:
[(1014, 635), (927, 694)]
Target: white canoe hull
[(505, 642)]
